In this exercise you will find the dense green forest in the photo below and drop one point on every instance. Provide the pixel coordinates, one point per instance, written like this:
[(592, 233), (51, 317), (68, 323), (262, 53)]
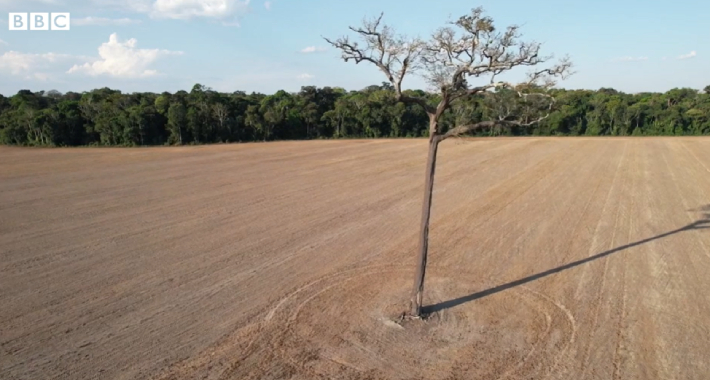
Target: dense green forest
[(107, 117)]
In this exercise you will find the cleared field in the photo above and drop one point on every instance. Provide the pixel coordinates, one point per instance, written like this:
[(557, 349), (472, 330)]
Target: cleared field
[(559, 258)]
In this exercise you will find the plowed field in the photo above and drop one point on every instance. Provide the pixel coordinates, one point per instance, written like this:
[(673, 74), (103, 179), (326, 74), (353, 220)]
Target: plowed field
[(557, 258)]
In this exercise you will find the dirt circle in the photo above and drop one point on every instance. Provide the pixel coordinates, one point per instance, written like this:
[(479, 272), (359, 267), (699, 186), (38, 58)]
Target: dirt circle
[(315, 333)]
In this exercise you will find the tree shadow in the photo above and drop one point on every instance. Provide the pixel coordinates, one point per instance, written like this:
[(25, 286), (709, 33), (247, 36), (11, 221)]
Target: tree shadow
[(700, 224)]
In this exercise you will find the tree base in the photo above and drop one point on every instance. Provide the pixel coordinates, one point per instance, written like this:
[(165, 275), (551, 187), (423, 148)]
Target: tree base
[(406, 316)]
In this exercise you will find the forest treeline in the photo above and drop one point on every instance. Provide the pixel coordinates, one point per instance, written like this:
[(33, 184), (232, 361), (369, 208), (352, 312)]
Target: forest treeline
[(110, 118)]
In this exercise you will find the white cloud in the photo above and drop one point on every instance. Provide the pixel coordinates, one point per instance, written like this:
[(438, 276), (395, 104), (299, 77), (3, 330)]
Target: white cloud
[(188, 9), (226, 11), (41, 76), (103, 21), (629, 59), (3, 42), (305, 76), (689, 55), (18, 63), (122, 59), (267, 5), (313, 49), (141, 6)]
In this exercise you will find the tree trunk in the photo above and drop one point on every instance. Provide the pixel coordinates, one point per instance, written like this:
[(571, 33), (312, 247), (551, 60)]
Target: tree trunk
[(417, 292)]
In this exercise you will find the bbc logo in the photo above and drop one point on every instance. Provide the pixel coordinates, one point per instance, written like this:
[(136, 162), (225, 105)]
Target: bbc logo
[(39, 21)]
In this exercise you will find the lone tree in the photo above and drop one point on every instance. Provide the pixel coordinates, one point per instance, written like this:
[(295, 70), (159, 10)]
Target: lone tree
[(469, 48)]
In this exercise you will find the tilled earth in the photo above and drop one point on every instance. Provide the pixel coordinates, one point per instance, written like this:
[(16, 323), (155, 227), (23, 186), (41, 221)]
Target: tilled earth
[(557, 258)]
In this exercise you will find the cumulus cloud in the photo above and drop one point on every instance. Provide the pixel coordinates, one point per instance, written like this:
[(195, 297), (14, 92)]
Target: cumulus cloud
[(692, 54), (629, 59), (103, 21), (122, 59), (17, 63), (313, 49), (188, 9), (305, 76), (226, 11), (267, 5)]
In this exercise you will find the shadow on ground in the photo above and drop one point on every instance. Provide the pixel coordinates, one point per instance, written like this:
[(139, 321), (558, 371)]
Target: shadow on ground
[(702, 223)]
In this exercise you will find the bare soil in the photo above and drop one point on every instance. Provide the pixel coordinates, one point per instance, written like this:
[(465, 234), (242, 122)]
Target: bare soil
[(556, 258)]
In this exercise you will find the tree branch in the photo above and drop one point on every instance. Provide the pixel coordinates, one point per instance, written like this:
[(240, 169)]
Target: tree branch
[(502, 120), (464, 129), (395, 56), (468, 48)]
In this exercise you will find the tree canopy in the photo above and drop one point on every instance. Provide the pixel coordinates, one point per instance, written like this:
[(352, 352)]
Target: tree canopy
[(469, 49), (108, 117)]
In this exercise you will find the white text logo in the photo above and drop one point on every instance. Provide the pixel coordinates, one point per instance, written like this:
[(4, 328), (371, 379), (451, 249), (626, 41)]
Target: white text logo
[(39, 21)]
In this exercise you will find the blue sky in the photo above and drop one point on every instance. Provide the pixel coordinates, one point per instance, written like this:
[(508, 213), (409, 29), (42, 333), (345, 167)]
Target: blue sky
[(257, 45)]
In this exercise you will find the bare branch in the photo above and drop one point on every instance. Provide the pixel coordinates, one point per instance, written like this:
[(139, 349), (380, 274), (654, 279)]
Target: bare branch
[(547, 78), (394, 55), (465, 129), (507, 109), (471, 48), (467, 48)]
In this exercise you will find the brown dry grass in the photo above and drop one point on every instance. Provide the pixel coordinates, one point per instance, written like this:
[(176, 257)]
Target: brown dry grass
[(559, 258)]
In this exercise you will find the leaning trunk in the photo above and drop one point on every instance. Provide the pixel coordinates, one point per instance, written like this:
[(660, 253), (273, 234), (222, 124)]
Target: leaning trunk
[(417, 293)]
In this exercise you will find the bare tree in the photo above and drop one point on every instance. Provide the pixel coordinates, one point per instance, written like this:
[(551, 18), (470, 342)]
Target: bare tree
[(469, 48)]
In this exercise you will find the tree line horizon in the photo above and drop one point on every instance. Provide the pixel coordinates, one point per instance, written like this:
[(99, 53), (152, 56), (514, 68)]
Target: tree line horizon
[(107, 117)]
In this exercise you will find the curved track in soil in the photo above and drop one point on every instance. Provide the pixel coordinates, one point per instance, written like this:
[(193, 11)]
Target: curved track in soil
[(550, 258)]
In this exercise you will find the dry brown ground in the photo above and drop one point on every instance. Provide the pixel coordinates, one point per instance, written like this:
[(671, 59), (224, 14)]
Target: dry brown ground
[(558, 258)]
